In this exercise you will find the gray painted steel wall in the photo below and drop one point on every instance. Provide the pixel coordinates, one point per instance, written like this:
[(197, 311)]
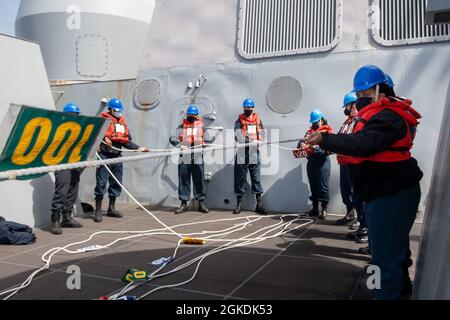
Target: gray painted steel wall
[(210, 30), (325, 78), (24, 81)]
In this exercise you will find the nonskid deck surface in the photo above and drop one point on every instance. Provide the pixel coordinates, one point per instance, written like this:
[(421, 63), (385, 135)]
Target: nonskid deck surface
[(316, 261)]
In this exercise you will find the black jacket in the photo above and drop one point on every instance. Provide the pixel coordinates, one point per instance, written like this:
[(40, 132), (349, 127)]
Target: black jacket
[(112, 153), (374, 179), (15, 233)]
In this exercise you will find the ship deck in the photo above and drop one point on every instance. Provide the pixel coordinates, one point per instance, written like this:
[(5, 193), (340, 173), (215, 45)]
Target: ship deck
[(315, 261)]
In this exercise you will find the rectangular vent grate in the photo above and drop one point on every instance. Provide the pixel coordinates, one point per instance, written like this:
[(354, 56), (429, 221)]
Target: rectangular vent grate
[(269, 28)]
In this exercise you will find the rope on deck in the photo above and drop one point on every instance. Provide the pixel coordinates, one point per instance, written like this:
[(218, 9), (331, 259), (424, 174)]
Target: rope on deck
[(14, 174)]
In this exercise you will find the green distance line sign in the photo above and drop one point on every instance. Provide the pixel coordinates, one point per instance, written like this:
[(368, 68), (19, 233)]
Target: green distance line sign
[(43, 137)]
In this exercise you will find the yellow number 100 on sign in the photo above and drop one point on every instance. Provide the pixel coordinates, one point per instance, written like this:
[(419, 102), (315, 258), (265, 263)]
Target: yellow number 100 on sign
[(21, 157)]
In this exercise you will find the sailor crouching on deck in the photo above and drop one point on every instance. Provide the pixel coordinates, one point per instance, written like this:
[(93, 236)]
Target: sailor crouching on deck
[(384, 175), (117, 136)]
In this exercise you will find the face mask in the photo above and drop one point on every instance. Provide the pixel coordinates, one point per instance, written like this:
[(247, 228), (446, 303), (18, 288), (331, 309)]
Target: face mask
[(117, 114), (248, 113), (363, 102), (347, 111), (316, 125), (191, 119)]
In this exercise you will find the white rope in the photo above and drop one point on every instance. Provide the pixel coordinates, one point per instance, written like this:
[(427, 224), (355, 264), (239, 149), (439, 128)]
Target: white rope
[(138, 203), (121, 150), (151, 149), (246, 241), (105, 162), (227, 246), (284, 148), (50, 253), (13, 174)]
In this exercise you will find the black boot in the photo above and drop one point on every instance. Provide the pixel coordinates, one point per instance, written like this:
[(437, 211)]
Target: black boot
[(259, 207), (112, 211), (69, 222), (98, 216), (364, 250), (238, 207), (183, 207), (314, 211), (361, 232), (55, 223), (201, 207), (323, 212), (348, 219)]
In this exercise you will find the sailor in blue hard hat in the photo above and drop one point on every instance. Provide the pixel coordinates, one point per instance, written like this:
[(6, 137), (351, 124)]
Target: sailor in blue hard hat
[(71, 108), (66, 192), (248, 128), (389, 81), (191, 134), (318, 167), (315, 117), (355, 214), (117, 136), (384, 174)]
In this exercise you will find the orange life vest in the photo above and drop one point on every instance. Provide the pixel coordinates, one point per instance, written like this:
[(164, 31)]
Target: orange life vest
[(346, 128), (399, 150), (117, 130), (323, 128), (192, 133), (251, 126)]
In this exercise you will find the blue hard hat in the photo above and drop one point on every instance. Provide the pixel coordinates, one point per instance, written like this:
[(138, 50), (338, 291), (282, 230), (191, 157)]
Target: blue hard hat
[(192, 109), (315, 116), (115, 104), (349, 98), (70, 107), (367, 77), (248, 103), (389, 81)]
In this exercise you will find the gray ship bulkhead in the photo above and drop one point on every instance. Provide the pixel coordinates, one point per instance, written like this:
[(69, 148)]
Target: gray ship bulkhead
[(192, 37), (323, 81), (185, 41)]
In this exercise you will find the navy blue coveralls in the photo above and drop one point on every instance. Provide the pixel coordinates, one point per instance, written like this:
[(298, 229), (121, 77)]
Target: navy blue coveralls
[(191, 165), (349, 198), (67, 183), (318, 169), (247, 159), (102, 175)]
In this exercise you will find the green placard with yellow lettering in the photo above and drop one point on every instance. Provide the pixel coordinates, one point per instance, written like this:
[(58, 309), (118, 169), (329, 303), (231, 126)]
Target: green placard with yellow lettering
[(41, 137)]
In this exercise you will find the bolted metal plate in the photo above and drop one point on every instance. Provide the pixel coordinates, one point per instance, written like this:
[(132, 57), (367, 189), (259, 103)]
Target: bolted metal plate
[(284, 95), (147, 94), (92, 56)]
